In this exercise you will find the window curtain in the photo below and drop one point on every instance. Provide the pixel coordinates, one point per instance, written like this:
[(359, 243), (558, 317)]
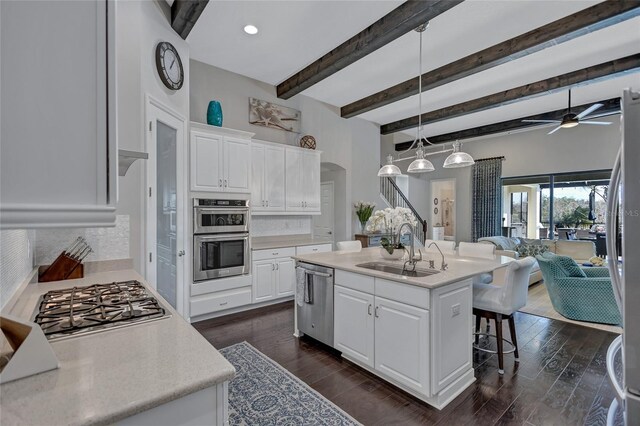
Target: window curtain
[(487, 198)]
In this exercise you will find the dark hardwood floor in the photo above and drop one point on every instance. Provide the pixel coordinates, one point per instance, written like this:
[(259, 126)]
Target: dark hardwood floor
[(561, 378)]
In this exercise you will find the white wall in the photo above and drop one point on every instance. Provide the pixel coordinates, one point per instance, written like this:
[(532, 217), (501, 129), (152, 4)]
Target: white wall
[(351, 144), (140, 26), (16, 261), (526, 153)]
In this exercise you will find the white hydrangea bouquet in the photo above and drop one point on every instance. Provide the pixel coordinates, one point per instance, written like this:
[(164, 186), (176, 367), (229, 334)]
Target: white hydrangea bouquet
[(389, 221)]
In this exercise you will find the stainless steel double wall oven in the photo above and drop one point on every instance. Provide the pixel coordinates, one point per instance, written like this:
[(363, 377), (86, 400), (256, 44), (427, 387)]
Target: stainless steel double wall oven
[(220, 238)]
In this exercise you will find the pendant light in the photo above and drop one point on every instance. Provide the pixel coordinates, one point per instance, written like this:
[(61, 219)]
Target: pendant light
[(389, 169), (458, 158), (420, 164)]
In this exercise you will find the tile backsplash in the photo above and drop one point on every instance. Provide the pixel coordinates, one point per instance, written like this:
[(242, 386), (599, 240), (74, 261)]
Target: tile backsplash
[(264, 226), (107, 243), (16, 261)]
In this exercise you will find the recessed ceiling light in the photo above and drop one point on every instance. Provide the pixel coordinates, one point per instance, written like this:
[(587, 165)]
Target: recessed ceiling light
[(251, 29)]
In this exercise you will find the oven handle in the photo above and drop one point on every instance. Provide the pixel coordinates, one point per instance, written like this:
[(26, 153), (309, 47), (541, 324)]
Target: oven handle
[(239, 210), (222, 237)]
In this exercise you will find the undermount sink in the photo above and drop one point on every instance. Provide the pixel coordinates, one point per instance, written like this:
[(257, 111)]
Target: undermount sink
[(397, 270)]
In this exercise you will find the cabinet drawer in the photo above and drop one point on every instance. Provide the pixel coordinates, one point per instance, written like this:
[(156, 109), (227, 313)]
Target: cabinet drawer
[(403, 293), (220, 301), (273, 253), (318, 248), (220, 284), (354, 281)]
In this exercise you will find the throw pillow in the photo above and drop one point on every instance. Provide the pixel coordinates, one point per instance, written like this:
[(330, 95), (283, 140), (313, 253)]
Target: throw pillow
[(525, 250), (569, 266)]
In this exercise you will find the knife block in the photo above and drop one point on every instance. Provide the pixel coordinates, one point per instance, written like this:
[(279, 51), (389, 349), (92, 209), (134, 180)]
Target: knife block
[(64, 268)]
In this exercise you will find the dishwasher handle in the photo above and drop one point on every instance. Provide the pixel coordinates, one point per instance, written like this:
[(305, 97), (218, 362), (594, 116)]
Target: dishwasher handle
[(319, 274)]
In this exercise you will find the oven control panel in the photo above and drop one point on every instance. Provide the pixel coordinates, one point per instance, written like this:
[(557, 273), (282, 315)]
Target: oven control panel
[(209, 202)]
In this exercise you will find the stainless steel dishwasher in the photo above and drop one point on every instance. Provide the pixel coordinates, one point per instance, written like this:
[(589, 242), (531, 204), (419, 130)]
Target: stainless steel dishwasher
[(315, 316)]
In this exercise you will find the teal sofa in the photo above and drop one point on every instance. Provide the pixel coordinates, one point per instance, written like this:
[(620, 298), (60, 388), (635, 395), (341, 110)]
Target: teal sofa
[(582, 294)]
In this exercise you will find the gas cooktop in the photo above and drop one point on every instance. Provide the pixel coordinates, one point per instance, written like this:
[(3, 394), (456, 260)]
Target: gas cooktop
[(80, 310)]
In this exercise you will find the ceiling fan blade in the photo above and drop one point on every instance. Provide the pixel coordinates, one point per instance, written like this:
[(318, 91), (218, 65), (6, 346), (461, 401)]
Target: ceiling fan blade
[(589, 110), (599, 123), (555, 130), (541, 121)]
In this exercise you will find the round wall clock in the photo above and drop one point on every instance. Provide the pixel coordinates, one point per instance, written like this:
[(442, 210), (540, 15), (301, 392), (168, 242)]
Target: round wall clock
[(169, 65)]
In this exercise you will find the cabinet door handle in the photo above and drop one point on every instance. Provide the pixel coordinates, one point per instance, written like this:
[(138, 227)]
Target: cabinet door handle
[(181, 253), (369, 309), (277, 266), (267, 203), (376, 313), (273, 266), (225, 183), (219, 182)]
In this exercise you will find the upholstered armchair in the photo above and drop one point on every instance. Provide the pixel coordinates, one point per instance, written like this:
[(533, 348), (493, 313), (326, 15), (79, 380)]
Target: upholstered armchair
[(582, 294)]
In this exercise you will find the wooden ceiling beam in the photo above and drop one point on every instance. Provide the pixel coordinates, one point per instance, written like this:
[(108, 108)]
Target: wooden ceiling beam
[(396, 23), (568, 28), (610, 106), (592, 74), (184, 14)]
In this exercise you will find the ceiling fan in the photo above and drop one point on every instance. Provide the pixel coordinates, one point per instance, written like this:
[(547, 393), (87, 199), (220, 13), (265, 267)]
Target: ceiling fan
[(572, 120)]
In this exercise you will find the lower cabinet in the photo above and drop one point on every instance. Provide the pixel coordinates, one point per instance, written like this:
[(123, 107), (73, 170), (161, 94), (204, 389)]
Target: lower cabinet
[(391, 337), (273, 278)]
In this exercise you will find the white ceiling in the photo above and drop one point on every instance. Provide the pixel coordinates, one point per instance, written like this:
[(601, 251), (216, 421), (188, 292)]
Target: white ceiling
[(295, 33)]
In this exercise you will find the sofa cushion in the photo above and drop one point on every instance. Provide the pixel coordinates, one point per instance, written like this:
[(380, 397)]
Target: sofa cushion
[(580, 251)]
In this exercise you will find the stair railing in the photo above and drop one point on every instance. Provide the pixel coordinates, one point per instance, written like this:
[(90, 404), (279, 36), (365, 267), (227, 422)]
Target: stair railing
[(396, 198)]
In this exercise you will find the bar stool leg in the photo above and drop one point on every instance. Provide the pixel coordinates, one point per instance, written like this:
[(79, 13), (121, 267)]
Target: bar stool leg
[(498, 323), (478, 318), (512, 329)]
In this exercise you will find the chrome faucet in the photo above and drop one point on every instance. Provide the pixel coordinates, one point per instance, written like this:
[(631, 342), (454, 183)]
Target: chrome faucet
[(444, 266), (412, 255)]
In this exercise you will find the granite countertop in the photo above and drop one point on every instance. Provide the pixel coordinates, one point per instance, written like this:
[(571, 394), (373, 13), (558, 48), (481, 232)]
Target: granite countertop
[(459, 267), (110, 375), (279, 241)]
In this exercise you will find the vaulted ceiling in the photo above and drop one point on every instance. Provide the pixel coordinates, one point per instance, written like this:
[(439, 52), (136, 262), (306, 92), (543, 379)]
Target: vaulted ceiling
[(294, 34)]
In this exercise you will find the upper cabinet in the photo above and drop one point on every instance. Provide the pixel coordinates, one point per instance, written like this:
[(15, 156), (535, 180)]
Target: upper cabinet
[(302, 180), (58, 157), (267, 177), (220, 159)]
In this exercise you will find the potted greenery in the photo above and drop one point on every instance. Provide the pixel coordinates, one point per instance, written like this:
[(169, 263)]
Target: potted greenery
[(390, 220), (364, 209)]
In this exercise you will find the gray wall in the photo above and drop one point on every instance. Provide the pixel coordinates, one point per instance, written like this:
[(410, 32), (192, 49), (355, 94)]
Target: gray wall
[(526, 153), (351, 144)]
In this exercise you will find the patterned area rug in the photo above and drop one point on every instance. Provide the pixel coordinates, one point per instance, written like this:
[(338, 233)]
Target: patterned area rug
[(264, 393)]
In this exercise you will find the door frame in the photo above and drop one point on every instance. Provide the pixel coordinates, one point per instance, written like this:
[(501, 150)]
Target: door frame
[(182, 267), (333, 205)]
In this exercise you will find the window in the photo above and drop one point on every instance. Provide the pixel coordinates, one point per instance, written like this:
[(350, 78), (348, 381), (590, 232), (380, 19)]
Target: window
[(519, 206)]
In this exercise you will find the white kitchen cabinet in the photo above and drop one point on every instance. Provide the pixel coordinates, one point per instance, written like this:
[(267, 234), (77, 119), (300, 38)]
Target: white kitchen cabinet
[(220, 159), (354, 324), (267, 177), (402, 343), (59, 156), (273, 276), (302, 180)]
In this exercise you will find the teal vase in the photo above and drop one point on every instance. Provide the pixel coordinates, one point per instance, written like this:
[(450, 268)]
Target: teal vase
[(214, 114)]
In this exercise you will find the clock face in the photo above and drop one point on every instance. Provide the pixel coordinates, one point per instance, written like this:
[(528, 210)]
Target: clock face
[(169, 65)]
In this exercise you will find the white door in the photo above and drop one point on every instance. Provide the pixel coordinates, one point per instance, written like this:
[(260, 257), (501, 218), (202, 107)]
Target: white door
[(237, 163), (311, 180), (353, 324), (206, 162), (263, 280), (274, 184), (166, 198), (294, 181), (285, 277), (323, 224), (257, 177), (402, 343)]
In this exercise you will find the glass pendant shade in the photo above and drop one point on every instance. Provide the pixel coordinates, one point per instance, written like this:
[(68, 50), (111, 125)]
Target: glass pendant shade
[(420, 164), (389, 169), (458, 158)]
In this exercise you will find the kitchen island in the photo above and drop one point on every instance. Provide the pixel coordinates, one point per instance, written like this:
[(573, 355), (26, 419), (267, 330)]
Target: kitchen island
[(413, 331), (158, 372)]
